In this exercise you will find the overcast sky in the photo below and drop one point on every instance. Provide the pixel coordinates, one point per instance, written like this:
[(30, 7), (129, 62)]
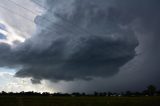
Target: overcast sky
[(79, 45)]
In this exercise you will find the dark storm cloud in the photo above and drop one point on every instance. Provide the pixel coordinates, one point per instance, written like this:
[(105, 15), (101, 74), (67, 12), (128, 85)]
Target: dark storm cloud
[(93, 57), (147, 11), (95, 39), (5, 54)]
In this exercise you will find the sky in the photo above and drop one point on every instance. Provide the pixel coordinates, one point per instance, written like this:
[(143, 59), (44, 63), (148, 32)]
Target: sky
[(79, 45)]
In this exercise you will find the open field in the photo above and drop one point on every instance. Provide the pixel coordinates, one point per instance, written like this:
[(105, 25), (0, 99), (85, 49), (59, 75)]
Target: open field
[(78, 101)]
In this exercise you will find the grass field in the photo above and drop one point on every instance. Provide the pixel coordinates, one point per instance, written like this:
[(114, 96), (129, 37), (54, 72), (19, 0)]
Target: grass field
[(79, 101)]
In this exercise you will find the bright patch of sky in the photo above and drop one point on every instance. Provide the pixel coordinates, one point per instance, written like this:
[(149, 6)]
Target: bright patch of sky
[(4, 72), (9, 83), (9, 70), (17, 23), (9, 35), (14, 26), (2, 36)]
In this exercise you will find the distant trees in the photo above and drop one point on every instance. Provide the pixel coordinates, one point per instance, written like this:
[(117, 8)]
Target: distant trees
[(100, 94), (150, 91), (4, 93)]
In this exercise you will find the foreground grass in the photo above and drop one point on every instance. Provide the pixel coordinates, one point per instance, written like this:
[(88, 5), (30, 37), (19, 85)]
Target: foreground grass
[(78, 101)]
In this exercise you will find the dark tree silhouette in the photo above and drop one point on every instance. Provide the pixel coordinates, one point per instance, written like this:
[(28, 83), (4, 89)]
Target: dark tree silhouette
[(128, 93), (151, 89), (95, 93)]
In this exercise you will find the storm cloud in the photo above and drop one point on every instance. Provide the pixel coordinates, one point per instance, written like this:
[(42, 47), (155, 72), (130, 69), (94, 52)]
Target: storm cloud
[(82, 39)]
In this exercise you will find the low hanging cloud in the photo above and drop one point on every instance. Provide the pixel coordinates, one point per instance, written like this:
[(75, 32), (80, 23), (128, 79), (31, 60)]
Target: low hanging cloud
[(82, 39)]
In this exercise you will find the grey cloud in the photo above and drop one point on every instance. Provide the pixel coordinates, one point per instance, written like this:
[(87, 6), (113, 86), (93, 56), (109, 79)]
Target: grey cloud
[(93, 57), (5, 54), (99, 41), (11, 16), (35, 81)]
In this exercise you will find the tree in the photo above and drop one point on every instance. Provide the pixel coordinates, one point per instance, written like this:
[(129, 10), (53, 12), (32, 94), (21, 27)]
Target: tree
[(4, 93), (95, 93), (151, 90), (128, 93)]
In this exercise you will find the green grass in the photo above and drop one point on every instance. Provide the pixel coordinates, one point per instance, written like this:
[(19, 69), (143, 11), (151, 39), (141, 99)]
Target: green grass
[(79, 101)]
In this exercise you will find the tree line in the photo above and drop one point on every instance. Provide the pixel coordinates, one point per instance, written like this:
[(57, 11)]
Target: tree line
[(150, 91)]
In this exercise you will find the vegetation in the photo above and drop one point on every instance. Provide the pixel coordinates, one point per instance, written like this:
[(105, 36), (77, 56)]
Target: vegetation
[(150, 91), (149, 97)]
